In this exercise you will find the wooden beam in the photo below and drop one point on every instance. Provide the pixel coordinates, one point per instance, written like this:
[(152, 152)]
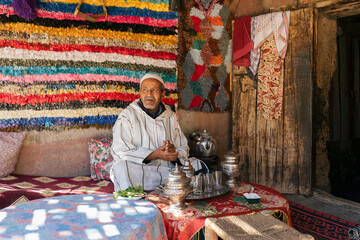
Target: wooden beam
[(343, 10), (339, 8)]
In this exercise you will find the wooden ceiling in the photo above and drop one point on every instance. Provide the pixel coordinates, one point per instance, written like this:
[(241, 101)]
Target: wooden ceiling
[(338, 8), (342, 10)]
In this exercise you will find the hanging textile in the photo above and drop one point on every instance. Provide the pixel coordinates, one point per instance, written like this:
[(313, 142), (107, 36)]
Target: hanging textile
[(206, 47), (254, 55), (242, 44), (59, 70), (270, 81), (266, 25)]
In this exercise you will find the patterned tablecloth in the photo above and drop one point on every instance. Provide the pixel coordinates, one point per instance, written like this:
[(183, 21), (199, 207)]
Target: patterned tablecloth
[(15, 188), (183, 224), (86, 216)]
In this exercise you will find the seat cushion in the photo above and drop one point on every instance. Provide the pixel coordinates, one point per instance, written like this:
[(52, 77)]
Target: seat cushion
[(10, 145), (57, 153), (101, 159)]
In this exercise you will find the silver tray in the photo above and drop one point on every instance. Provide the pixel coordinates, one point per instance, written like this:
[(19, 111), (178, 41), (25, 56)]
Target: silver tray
[(192, 196)]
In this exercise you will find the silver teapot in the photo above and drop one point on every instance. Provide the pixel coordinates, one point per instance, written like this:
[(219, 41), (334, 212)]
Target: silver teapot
[(231, 167), (202, 144), (177, 188)]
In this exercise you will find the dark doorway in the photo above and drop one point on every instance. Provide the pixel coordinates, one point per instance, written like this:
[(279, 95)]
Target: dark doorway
[(344, 145)]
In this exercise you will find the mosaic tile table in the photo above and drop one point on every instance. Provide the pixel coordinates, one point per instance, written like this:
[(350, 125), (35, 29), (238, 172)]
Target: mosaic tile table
[(185, 224), (86, 216)]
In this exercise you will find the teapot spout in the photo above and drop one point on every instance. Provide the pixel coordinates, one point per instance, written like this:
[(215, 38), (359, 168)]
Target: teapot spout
[(207, 145)]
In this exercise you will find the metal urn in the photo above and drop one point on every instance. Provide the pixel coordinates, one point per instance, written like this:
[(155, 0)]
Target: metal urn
[(231, 167), (177, 188)]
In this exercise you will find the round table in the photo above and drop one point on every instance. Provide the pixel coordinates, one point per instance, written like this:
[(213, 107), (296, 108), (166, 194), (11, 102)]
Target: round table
[(87, 216), (184, 224)]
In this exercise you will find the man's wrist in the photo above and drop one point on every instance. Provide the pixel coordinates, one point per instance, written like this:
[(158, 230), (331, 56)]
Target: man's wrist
[(151, 156), (146, 161)]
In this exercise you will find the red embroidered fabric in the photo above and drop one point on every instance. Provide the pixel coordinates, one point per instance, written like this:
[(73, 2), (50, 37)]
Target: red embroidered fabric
[(21, 188), (183, 224), (270, 81)]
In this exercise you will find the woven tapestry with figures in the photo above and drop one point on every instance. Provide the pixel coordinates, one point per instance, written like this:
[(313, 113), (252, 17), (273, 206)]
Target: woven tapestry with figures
[(16, 188), (205, 44), (59, 70)]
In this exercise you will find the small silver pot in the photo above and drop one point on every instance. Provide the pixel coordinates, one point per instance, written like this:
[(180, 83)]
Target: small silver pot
[(177, 188), (188, 169)]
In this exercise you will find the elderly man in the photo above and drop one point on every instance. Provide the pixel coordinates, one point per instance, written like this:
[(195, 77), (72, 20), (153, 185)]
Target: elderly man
[(147, 140)]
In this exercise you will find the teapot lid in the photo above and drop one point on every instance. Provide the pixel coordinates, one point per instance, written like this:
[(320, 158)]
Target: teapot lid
[(177, 176), (187, 166), (205, 133)]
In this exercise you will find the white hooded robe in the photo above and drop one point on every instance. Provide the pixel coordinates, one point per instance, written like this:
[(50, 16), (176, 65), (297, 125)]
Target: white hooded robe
[(135, 136)]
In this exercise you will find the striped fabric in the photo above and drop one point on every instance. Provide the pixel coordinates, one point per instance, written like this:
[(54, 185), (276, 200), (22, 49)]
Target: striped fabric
[(62, 71)]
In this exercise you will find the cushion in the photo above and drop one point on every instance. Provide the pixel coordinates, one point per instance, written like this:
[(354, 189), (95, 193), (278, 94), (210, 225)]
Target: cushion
[(10, 145), (101, 159), (62, 153)]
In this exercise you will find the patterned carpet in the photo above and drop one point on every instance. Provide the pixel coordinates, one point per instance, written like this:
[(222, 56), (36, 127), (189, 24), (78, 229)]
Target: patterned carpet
[(319, 225)]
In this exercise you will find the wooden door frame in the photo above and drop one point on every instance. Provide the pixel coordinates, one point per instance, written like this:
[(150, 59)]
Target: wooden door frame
[(291, 136)]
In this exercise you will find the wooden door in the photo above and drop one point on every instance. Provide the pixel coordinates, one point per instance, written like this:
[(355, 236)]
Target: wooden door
[(277, 153)]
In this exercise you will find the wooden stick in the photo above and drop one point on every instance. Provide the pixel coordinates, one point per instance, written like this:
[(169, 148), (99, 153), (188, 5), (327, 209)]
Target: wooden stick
[(91, 18)]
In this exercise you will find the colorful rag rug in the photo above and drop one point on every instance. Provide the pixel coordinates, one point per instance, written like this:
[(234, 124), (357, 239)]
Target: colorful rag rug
[(319, 225), (60, 70), (205, 44)]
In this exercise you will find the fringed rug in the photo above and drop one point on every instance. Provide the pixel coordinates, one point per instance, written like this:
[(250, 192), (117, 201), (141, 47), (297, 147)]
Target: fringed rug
[(59, 70), (319, 225)]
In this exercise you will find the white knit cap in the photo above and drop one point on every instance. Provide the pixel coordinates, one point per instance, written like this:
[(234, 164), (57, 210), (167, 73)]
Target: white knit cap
[(151, 75)]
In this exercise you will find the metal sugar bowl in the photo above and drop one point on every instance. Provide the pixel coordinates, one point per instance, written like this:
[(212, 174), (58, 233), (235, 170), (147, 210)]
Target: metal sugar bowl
[(177, 188), (231, 168)]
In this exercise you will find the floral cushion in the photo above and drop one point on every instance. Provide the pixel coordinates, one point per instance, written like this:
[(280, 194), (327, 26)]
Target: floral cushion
[(100, 158), (10, 145)]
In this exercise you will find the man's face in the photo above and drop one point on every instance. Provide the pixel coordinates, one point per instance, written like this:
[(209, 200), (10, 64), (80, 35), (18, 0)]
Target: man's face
[(151, 94)]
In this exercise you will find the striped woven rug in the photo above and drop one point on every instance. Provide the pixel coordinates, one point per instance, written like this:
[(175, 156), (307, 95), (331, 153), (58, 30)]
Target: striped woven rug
[(59, 70), (319, 225)]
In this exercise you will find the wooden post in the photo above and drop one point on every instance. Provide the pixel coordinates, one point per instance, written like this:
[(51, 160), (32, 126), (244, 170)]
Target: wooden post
[(298, 92)]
